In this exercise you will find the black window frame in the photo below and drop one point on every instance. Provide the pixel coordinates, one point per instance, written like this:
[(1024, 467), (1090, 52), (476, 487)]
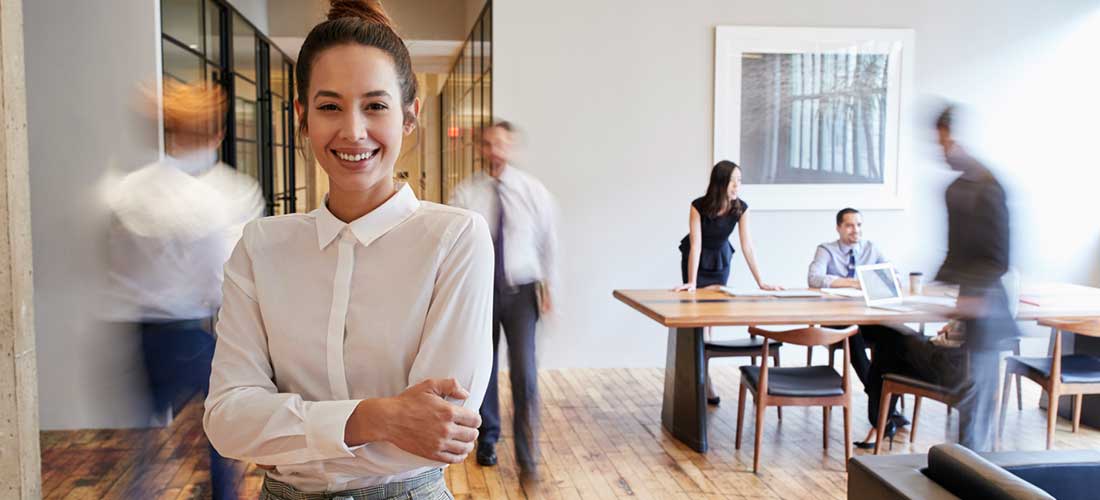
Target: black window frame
[(285, 200), (461, 154)]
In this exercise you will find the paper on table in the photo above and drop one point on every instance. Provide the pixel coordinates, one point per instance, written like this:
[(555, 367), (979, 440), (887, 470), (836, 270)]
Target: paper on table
[(844, 292), (744, 292)]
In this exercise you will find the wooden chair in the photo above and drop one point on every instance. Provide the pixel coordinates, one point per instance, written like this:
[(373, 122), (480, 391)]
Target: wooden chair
[(832, 349), (900, 385), (894, 384), (1058, 375), (798, 386), (737, 348)]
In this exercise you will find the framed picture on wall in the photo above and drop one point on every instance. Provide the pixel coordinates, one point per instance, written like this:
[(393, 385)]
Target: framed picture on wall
[(815, 116)]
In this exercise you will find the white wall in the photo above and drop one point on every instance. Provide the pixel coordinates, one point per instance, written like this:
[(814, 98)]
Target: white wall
[(616, 99), (81, 96), (255, 11)]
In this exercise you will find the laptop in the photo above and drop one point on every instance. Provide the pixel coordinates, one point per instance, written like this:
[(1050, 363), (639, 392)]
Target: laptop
[(881, 288)]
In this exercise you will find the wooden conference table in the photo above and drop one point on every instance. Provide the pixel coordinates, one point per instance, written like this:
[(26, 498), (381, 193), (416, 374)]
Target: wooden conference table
[(685, 314)]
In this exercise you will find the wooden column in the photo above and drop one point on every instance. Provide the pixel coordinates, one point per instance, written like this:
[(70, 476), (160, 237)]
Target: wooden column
[(20, 461)]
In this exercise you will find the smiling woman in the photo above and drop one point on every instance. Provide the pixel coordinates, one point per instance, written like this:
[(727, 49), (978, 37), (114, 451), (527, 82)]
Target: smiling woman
[(358, 370), (356, 118)]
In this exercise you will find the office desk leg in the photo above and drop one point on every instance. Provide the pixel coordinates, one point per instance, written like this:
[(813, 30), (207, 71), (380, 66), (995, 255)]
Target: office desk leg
[(684, 410)]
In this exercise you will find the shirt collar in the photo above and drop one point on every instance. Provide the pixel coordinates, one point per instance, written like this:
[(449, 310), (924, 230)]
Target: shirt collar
[(845, 249), (194, 162), (508, 177), (371, 226)]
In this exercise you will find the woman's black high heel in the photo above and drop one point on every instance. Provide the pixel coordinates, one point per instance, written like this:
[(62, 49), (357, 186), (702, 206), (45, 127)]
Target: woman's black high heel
[(888, 433), (899, 420), (714, 401)]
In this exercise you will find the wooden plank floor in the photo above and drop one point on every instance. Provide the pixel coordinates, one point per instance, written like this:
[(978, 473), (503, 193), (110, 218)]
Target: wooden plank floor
[(601, 438)]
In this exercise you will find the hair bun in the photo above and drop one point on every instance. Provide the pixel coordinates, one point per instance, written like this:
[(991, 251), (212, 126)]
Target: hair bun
[(368, 10)]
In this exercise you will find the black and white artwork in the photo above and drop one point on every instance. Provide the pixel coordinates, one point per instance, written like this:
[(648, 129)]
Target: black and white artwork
[(813, 115), (813, 118)]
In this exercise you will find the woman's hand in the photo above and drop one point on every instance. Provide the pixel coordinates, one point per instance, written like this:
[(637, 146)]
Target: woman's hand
[(686, 287), (765, 286), (420, 421)]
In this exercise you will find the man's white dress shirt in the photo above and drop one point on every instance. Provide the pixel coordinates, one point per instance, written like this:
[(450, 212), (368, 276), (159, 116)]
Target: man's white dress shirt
[(319, 314), (530, 214)]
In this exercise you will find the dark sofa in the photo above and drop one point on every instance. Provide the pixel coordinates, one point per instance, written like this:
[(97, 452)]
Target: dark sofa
[(950, 471)]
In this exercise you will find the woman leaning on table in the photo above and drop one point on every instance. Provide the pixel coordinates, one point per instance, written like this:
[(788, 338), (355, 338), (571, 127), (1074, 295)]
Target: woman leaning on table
[(706, 252)]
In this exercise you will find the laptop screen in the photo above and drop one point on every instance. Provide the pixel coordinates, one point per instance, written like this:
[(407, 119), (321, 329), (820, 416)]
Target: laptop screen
[(879, 284)]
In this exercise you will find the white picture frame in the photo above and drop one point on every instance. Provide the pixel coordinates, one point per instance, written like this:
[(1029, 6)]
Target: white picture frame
[(884, 185)]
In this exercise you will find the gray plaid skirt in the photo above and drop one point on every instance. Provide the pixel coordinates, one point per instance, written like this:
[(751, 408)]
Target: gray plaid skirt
[(427, 486)]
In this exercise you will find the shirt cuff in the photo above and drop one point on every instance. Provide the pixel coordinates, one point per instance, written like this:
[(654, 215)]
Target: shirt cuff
[(325, 425)]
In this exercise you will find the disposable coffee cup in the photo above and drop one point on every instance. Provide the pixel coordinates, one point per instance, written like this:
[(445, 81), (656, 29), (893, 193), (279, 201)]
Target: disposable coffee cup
[(916, 283)]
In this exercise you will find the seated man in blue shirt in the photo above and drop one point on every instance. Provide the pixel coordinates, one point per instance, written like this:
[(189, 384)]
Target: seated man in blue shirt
[(835, 262), (834, 266)]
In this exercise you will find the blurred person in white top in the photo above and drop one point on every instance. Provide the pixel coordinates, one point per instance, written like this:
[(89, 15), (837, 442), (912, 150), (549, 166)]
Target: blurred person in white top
[(173, 224), (353, 341)]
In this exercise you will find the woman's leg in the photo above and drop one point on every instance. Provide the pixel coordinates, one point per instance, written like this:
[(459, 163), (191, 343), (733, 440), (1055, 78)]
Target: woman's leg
[(704, 280), (711, 395)]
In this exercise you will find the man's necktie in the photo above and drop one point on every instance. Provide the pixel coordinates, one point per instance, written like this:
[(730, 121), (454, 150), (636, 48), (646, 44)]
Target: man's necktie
[(499, 278)]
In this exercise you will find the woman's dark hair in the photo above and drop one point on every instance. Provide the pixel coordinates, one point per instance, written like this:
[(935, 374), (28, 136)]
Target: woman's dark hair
[(361, 22), (717, 198)]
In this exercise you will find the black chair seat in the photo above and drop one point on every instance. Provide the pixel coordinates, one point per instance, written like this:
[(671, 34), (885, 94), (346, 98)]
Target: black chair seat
[(1076, 368), (916, 382), (747, 345), (801, 381)]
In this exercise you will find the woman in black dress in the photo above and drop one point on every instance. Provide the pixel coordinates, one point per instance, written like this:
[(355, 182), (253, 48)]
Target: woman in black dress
[(706, 252)]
